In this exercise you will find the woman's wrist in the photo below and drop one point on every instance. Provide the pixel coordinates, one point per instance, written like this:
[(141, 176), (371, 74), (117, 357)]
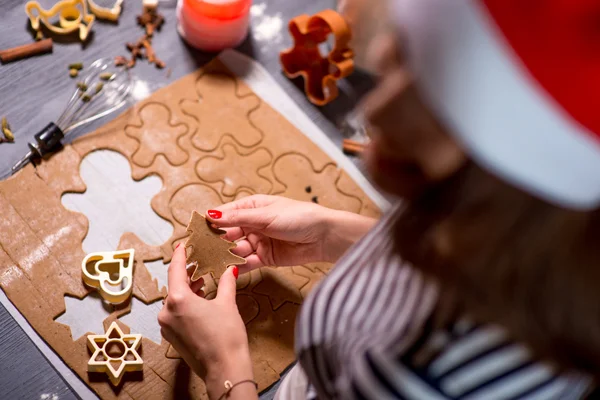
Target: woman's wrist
[(234, 368), (343, 229)]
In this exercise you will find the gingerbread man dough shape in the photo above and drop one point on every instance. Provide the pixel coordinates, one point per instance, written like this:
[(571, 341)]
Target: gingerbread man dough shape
[(221, 112), (302, 182), (236, 171), (157, 135)]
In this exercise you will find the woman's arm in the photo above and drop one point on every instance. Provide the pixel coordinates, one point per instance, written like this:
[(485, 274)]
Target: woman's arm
[(209, 335), (343, 230), (277, 231), (236, 368)]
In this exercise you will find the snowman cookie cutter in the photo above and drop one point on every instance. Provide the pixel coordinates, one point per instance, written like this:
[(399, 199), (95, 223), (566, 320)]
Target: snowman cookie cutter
[(110, 14), (72, 15), (304, 58), (111, 273)]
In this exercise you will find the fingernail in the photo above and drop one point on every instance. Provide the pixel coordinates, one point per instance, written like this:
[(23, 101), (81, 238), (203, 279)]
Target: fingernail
[(177, 246), (214, 214), (236, 272)]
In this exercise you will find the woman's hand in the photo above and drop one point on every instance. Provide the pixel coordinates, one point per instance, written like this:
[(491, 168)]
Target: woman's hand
[(209, 334), (282, 232)]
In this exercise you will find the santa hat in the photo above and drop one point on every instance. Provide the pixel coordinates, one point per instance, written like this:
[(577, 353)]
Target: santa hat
[(518, 83)]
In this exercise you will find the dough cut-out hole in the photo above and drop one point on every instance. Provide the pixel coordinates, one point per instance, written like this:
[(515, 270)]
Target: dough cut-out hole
[(114, 203), (143, 318), (85, 315), (159, 271), (114, 349)]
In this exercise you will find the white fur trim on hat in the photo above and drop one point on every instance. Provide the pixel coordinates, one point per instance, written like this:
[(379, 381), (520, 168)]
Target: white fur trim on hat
[(509, 125)]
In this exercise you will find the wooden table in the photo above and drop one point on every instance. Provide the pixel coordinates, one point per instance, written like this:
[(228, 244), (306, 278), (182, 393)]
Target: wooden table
[(33, 92)]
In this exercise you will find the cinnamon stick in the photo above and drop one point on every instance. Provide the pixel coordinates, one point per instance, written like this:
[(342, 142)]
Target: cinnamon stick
[(353, 147), (27, 50)]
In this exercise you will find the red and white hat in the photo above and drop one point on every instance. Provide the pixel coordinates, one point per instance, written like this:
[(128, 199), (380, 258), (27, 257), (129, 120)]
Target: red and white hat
[(518, 83)]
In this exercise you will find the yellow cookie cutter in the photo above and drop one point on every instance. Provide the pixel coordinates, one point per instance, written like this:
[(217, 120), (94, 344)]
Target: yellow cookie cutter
[(70, 17), (111, 14), (111, 273), (104, 359)]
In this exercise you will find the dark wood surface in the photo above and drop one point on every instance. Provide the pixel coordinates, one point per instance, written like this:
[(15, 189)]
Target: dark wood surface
[(34, 91)]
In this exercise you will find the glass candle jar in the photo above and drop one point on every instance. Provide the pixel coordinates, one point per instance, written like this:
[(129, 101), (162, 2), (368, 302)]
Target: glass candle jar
[(213, 25)]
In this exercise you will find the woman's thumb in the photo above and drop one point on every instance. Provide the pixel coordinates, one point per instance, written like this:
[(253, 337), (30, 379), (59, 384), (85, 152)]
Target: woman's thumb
[(227, 284)]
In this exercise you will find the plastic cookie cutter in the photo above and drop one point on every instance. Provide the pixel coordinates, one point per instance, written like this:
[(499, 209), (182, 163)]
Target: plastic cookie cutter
[(111, 273), (304, 59), (72, 15), (115, 353), (110, 14)]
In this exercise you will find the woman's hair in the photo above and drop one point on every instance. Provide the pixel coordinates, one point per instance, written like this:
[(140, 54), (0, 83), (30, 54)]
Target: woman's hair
[(506, 257)]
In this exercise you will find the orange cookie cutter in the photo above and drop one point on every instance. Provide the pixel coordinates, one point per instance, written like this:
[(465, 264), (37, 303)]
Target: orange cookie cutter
[(304, 58)]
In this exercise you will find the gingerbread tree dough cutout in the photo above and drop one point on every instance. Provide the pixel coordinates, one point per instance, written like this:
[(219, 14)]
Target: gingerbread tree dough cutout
[(220, 111), (236, 171), (157, 135), (208, 250)]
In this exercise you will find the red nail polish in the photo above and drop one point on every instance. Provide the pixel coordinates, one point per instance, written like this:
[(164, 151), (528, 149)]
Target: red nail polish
[(177, 246), (236, 272), (214, 214)]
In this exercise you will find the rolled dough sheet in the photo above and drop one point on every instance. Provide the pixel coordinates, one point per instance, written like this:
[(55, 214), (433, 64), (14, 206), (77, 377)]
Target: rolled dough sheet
[(278, 182)]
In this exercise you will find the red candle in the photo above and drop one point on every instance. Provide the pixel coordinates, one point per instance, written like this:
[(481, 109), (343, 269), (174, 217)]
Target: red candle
[(213, 25)]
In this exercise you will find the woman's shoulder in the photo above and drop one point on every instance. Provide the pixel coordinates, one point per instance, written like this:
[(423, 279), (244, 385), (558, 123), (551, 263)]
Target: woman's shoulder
[(367, 331)]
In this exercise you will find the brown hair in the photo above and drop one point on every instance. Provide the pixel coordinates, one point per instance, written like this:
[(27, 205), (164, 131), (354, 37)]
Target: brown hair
[(507, 257)]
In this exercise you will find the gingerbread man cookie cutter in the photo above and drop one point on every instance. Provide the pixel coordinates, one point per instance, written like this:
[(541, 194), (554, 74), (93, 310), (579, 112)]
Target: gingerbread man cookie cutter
[(111, 273), (115, 353), (72, 15), (110, 14), (304, 58)]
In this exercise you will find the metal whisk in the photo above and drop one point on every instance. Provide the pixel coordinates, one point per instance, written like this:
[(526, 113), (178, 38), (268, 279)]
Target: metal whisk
[(102, 89)]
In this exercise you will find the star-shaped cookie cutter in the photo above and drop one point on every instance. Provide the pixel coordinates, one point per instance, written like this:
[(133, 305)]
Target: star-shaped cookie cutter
[(113, 289), (304, 59), (103, 359)]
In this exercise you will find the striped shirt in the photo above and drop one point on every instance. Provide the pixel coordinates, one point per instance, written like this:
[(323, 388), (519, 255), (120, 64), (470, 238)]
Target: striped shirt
[(366, 332)]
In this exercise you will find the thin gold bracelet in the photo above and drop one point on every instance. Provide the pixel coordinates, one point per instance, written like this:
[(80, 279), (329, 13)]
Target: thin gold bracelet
[(229, 387)]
